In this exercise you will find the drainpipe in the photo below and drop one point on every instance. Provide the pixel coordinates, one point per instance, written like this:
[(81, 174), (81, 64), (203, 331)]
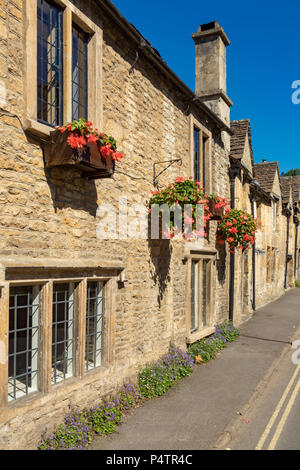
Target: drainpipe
[(253, 262), (234, 171), (296, 222), (288, 216)]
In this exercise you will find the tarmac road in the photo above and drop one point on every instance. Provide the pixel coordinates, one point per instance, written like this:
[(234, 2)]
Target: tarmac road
[(249, 377), (273, 420)]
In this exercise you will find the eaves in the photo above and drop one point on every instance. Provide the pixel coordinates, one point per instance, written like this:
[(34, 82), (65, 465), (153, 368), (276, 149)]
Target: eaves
[(145, 48)]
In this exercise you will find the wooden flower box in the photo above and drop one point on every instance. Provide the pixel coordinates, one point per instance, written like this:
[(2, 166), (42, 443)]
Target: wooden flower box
[(217, 212), (57, 152)]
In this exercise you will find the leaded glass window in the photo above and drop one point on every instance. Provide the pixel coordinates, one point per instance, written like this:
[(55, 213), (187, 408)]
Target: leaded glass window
[(94, 324), (24, 319), (196, 154), (79, 73), (49, 63), (63, 332)]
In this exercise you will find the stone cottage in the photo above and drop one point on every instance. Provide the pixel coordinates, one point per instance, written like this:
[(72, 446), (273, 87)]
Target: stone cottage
[(261, 275), (291, 199)]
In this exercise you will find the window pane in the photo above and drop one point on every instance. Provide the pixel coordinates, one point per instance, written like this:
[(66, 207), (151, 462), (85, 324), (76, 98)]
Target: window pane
[(94, 324), (204, 291), (24, 315), (204, 145), (62, 332), (194, 296), (49, 63), (79, 73), (196, 154)]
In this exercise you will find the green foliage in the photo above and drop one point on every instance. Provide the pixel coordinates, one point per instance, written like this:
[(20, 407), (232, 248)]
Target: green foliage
[(207, 348), (181, 194), (85, 128), (80, 426), (156, 379), (238, 229), (104, 419), (75, 433), (294, 172), (297, 283)]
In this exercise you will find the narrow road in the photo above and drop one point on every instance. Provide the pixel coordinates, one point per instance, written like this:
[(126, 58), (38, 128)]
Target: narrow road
[(272, 421), (229, 402)]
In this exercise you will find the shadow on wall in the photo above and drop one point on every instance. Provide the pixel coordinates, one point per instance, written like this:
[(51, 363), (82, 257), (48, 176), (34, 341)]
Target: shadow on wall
[(160, 254), (221, 263), (69, 190), (67, 187)]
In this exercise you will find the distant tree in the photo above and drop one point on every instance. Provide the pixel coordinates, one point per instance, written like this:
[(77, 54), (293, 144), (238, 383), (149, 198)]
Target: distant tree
[(291, 172)]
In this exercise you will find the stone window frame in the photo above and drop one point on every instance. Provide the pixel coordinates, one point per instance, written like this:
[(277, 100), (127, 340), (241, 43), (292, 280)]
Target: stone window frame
[(209, 329), (45, 333), (270, 264), (276, 213), (204, 133), (71, 15)]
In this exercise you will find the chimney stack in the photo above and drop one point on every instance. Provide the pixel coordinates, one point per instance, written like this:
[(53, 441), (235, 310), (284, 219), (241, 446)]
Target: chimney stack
[(210, 43)]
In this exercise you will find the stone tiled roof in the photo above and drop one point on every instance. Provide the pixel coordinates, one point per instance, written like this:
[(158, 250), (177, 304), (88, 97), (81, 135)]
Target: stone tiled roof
[(265, 173), (286, 186), (241, 129), (294, 181)]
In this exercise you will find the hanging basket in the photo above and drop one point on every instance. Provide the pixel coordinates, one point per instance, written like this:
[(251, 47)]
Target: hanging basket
[(217, 212)]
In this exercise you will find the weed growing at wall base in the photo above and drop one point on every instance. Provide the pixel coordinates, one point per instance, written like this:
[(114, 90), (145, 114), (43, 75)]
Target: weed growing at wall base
[(155, 380), (80, 427), (207, 348)]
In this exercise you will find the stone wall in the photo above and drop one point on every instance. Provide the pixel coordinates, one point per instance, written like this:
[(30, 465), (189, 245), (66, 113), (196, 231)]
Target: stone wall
[(52, 215)]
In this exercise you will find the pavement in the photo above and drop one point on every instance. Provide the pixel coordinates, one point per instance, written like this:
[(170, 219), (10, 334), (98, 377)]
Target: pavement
[(201, 412)]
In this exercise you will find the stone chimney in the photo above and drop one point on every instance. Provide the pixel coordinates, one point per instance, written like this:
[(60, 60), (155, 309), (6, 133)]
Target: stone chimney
[(211, 42)]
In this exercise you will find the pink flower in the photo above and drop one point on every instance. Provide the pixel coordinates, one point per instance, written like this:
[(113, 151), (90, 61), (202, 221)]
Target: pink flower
[(92, 139), (117, 156), (106, 151), (187, 219), (76, 141), (179, 180)]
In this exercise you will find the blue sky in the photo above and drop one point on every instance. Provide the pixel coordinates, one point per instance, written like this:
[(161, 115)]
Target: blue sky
[(263, 60)]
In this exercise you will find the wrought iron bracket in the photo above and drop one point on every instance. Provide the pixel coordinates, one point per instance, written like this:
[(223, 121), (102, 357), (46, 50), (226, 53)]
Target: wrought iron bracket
[(169, 162)]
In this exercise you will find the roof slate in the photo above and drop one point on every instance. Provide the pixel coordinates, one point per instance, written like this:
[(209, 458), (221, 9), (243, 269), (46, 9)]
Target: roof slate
[(265, 173), (241, 129), (286, 186), (294, 182)]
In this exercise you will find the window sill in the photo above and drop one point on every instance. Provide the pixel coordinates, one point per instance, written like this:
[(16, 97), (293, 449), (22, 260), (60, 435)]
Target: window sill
[(197, 335), (37, 128), (23, 401)]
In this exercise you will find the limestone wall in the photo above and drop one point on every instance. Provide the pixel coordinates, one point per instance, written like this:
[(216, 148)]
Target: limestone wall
[(52, 215)]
